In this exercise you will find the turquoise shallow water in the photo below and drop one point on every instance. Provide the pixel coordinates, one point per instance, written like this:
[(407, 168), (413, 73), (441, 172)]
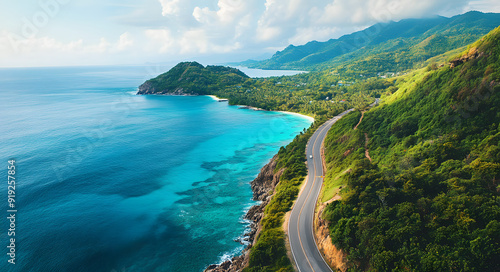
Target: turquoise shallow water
[(111, 181)]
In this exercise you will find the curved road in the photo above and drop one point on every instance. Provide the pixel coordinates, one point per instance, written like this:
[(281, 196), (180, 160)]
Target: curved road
[(300, 227)]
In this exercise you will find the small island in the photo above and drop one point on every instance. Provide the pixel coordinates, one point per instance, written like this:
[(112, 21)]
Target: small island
[(192, 78)]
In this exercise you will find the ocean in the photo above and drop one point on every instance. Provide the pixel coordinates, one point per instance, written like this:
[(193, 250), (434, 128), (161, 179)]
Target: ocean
[(110, 181)]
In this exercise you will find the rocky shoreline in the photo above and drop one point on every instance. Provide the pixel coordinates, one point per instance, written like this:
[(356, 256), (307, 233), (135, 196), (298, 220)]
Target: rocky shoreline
[(263, 188), (243, 107), (146, 89)]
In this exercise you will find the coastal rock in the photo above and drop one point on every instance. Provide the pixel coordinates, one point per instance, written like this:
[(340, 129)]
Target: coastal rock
[(255, 213), (263, 188), (235, 265), (148, 88)]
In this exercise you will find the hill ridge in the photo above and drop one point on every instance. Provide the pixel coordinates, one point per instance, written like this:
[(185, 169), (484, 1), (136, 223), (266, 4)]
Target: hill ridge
[(457, 31)]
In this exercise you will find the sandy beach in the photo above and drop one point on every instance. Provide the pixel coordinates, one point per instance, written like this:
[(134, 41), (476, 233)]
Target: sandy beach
[(259, 109), (298, 114), (214, 97)]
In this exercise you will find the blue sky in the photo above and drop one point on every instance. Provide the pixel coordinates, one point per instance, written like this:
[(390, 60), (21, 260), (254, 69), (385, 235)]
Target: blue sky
[(96, 32)]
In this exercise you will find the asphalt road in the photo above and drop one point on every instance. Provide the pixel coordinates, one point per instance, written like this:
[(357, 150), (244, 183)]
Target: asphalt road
[(300, 227)]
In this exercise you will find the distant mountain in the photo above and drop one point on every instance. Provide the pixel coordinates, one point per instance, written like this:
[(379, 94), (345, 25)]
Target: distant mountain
[(395, 46), (420, 174), (192, 78)]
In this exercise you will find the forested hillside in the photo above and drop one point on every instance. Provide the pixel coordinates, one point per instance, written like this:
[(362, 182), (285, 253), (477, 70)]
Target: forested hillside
[(420, 176), (189, 78), (386, 47)]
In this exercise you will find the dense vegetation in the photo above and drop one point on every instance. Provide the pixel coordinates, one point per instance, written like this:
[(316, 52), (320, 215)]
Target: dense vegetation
[(430, 200), (269, 253), (315, 98), (320, 96), (193, 78), (386, 47), (316, 94)]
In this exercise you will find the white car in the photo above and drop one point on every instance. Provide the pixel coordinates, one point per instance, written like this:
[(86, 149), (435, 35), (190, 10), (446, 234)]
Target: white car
[(310, 156)]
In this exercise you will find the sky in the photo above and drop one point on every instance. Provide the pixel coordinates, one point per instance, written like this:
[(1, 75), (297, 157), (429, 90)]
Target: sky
[(128, 32)]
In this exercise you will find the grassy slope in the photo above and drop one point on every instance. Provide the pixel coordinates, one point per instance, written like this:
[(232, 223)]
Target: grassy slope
[(430, 201)]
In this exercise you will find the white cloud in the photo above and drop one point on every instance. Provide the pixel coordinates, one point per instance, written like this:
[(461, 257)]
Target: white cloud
[(161, 39), (307, 34), (125, 42), (267, 33), (484, 5), (18, 51), (100, 47), (220, 28), (169, 7), (14, 45), (34, 44), (190, 42), (204, 15), (231, 10), (299, 21), (179, 29), (227, 25)]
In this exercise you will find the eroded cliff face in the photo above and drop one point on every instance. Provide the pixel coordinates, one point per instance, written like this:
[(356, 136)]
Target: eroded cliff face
[(263, 188), (148, 88), (263, 185), (335, 258)]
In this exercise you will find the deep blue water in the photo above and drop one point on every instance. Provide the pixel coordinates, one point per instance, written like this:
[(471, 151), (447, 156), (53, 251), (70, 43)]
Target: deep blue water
[(111, 181)]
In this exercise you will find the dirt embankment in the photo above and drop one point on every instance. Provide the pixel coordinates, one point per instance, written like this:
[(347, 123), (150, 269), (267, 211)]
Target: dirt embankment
[(334, 257), (367, 151)]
